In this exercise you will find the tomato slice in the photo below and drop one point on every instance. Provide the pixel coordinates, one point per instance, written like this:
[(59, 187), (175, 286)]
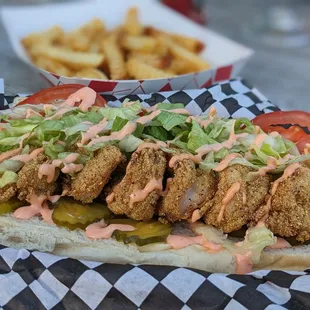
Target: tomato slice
[(264, 121), (301, 144), (58, 92), (293, 133), (272, 122)]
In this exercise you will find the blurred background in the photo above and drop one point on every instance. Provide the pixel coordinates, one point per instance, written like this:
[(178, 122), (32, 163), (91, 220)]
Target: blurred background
[(278, 31)]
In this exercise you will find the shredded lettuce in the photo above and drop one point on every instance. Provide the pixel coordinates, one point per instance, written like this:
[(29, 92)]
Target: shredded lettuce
[(129, 112), (60, 135), (8, 177), (156, 132), (197, 137), (169, 106), (52, 148), (130, 143), (10, 165), (119, 123), (169, 119), (256, 239), (80, 127)]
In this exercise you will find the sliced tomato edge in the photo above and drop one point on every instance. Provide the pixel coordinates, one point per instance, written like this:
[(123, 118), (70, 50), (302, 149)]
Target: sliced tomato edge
[(58, 92)]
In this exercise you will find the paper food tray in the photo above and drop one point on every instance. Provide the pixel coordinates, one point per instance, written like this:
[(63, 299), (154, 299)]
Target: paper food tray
[(226, 57)]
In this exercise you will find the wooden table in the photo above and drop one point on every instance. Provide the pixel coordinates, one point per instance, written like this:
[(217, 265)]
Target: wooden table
[(281, 74)]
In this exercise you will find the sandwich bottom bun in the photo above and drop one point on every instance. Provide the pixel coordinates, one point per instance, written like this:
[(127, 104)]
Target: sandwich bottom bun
[(35, 234)]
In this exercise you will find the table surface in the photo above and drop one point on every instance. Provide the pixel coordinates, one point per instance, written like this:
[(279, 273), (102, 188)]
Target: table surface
[(282, 75)]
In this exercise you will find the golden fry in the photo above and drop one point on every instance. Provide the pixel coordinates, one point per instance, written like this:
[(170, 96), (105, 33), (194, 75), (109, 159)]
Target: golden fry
[(180, 66), (132, 25), (129, 50), (157, 61), (52, 66), (194, 61), (192, 44), (140, 70), (115, 59), (94, 47), (74, 60), (81, 38), (52, 35), (91, 73), (141, 44)]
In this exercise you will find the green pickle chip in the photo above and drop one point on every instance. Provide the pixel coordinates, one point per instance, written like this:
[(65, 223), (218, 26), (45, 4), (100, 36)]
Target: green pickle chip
[(10, 206), (73, 214), (145, 232)]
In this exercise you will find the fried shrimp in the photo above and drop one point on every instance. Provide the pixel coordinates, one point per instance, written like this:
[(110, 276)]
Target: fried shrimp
[(137, 194), (87, 185), (289, 215), (29, 183), (236, 200), (7, 192), (186, 191)]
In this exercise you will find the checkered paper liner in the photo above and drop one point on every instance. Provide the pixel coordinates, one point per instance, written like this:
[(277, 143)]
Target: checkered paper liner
[(35, 280)]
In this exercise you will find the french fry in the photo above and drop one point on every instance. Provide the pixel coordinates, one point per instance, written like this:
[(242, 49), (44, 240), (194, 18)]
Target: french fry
[(161, 46), (129, 50), (91, 73), (194, 61), (132, 25), (141, 43), (156, 61), (94, 28), (115, 59), (81, 38), (76, 41), (192, 44), (52, 35), (74, 60), (139, 70), (94, 47), (180, 66), (52, 66), (115, 34)]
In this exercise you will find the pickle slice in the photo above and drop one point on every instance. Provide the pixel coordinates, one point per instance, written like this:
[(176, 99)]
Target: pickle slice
[(10, 206), (73, 214), (145, 232)]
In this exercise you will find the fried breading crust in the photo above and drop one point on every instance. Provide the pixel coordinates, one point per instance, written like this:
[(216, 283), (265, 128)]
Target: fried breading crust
[(290, 207), (244, 203), (116, 177), (186, 191), (87, 185), (29, 183), (143, 166), (7, 192)]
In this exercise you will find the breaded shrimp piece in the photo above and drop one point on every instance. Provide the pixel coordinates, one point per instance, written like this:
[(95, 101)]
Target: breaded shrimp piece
[(87, 185), (235, 200), (116, 177), (29, 183), (290, 207), (186, 191), (7, 192), (144, 167)]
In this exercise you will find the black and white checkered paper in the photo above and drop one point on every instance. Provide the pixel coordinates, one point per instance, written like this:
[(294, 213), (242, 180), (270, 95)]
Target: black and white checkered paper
[(35, 280)]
